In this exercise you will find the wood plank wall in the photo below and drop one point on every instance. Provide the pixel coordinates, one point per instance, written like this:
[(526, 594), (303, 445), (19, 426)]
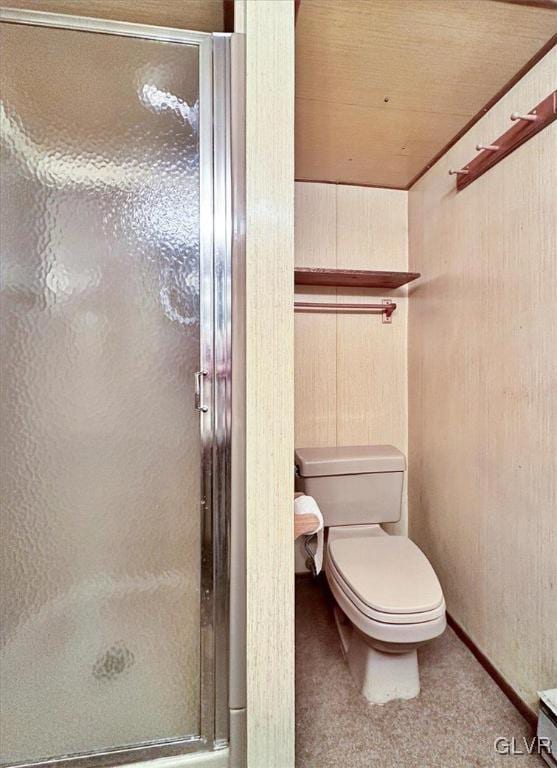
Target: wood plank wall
[(350, 371), (269, 31), (483, 390)]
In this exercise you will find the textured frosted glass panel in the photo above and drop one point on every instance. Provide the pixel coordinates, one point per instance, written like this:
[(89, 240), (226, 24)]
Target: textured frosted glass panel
[(100, 341)]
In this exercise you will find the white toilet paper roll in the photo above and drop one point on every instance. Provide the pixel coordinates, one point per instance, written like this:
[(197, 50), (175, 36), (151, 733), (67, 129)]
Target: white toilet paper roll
[(306, 505)]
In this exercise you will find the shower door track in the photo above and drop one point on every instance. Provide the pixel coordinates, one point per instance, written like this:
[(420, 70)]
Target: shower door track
[(218, 54)]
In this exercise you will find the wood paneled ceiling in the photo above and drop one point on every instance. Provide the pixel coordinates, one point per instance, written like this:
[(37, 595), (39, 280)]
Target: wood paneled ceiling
[(202, 15), (382, 86)]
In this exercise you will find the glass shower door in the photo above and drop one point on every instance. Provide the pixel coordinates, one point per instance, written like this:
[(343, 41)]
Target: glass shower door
[(106, 309)]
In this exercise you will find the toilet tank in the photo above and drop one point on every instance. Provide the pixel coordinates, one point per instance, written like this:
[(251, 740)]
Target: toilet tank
[(353, 485)]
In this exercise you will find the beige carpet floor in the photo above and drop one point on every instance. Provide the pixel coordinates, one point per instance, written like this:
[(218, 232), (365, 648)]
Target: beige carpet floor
[(453, 723)]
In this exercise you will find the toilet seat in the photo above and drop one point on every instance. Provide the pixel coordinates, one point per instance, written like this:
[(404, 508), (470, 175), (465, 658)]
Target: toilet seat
[(382, 616), (385, 585)]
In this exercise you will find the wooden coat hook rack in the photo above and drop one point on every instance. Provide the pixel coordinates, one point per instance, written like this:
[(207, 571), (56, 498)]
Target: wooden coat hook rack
[(525, 127)]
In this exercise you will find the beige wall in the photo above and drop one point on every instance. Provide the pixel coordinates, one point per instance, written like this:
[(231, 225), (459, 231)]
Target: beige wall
[(269, 31), (483, 390), (350, 373)]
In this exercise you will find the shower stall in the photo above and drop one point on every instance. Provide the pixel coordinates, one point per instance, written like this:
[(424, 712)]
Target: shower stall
[(118, 226)]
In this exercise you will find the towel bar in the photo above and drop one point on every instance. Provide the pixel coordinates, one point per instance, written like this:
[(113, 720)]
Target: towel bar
[(386, 308)]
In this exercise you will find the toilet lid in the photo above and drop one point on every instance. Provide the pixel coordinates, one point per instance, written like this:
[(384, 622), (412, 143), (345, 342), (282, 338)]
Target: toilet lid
[(388, 573)]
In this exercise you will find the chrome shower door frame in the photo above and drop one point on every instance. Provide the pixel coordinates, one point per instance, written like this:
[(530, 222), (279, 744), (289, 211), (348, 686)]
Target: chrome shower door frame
[(216, 58)]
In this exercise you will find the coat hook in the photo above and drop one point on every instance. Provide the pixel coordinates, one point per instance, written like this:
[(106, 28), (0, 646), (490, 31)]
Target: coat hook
[(454, 173), (530, 118), (490, 147)]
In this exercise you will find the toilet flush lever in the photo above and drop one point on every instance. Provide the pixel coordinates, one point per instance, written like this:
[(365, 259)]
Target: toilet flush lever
[(199, 404)]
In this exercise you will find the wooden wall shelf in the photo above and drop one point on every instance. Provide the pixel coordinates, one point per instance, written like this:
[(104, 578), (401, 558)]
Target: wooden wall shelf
[(352, 278)]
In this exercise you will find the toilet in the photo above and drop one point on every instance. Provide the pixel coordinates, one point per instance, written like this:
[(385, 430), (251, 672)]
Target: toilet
[(388, 600)]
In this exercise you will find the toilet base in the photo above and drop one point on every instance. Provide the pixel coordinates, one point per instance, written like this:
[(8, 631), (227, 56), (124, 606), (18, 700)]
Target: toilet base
[(380, 676)]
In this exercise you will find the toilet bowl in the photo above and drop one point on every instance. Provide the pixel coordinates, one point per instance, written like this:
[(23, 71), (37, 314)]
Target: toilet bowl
[(388, 597), (388, 603)]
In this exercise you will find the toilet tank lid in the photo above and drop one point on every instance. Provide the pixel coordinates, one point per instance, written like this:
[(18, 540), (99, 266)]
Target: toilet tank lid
[(349, 460)]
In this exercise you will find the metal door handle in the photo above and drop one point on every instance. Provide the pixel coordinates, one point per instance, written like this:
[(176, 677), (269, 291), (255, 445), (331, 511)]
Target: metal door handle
[(199, 404)]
